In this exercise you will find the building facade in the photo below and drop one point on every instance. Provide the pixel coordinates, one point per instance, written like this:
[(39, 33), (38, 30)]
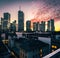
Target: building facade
[(28, 26), (42, 26), (50, 25), (35, 26), (20, 21), (5, 22), (13, 26)]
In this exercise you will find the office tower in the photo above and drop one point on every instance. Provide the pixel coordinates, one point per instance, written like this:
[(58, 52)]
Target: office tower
[(7, 16), (1, 23), (6, 21), (13, 26), (20, 21), (35, 26), (42, 26), (28, 25), (50, 25)]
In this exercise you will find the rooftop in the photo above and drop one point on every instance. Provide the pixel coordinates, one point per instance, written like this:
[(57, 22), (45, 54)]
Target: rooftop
[(29, 45)]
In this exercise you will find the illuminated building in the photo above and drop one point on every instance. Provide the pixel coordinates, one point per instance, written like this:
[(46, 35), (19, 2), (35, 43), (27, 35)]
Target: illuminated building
[(20, 21), (28, 26)]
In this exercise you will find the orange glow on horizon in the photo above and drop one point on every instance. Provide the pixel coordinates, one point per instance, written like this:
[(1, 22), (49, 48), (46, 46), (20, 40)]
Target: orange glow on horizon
[(57, 24)]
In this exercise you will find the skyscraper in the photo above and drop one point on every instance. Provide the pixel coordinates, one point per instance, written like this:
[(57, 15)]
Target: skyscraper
[(2, 23), (50, 25), (6, 16), (35, 26), (20, 21), (28, 26), (5, 21), (13, 26), (42, 26)]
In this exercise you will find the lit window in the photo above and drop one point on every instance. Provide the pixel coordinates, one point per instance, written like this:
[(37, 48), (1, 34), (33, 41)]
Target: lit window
[(41, 50), (53, 46)]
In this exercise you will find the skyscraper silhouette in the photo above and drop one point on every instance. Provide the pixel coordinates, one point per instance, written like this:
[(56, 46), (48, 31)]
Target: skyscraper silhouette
[(42, 26), (35, 26), (20, 21), (28, 25), (13, 26), (6, 21), (50, 25)]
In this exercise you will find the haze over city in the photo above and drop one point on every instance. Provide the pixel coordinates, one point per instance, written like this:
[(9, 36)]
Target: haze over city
[(34, 10)]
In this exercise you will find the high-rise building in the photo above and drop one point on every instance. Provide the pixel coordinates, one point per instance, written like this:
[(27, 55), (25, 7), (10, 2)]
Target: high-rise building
[(35, 26), (7, 16), (2, 20), (6, 21), (13, 26), (28, 26), (20, 21), (50, 25), (42, 26)]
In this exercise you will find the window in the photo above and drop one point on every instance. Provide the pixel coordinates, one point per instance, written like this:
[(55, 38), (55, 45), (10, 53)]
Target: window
[(53, 46)]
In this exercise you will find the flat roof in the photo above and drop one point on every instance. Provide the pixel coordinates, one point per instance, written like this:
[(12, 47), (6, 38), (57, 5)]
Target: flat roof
[(29, 45)]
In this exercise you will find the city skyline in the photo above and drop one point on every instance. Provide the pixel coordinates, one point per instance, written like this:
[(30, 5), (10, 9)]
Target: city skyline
[(38, 10)]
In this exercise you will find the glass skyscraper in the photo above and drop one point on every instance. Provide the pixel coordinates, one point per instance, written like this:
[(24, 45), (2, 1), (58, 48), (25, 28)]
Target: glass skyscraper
[(20, 21)]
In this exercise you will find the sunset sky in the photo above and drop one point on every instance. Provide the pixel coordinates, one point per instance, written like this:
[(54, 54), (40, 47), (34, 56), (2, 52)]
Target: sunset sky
[(34, 10)]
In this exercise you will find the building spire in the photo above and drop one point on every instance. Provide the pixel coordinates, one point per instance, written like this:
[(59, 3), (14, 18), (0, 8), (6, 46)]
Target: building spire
[(20, 7)]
